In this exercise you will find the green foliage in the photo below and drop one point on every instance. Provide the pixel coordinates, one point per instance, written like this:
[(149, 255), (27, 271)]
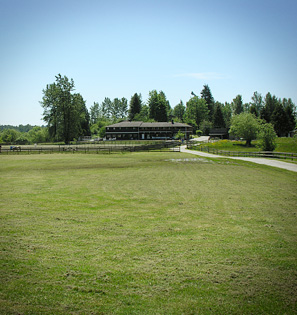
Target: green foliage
[(199, 133), (197, 110), (179, 111), (237, 105), (180, 135), (94, 113), (205, 126), (268, 109), (135, 106), (218, 117), (143, 115), (245, 126), (9, 135), (64, 112), (207, 96), (158, 106), (279, 120), (38, 135), (256, 104), (267, 137)]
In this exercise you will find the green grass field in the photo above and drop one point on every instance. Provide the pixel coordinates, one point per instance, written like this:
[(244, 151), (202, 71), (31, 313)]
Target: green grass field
[(146, 233), (282, 145)]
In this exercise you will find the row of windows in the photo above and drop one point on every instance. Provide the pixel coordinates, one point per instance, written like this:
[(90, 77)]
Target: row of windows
[(151, 128)]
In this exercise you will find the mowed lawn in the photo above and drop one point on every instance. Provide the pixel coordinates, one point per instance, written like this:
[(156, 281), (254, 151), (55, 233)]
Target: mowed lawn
[(146, 233)]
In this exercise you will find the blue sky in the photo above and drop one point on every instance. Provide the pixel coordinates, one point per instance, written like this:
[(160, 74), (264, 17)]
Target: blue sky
[(118, 48)]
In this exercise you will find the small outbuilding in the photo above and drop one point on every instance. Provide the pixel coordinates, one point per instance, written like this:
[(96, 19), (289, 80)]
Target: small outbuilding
[(221, 133)]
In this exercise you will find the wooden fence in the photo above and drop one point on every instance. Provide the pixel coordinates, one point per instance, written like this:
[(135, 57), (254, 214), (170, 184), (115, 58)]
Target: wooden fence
[(263, 154), (172, 146)]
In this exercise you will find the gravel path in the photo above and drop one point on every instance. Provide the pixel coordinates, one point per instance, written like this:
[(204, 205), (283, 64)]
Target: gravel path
[(275, 163)]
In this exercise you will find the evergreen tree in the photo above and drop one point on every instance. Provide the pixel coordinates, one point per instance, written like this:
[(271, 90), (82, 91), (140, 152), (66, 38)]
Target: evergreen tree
[(218, 118), (135, 106), (289, 107), (279, 120), (268, 109), (207, 96)]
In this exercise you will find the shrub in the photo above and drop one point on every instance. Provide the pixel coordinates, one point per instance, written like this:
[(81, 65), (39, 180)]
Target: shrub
[(267, 137)]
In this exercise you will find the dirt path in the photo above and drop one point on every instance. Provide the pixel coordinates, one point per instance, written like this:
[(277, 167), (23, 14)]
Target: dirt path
[(275, 163)]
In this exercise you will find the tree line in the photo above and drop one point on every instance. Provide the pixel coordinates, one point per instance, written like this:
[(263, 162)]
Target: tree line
[(68, 118)]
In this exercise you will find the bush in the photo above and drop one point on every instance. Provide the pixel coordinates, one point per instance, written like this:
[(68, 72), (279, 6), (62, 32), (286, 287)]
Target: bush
[(199, 133), (267, 137)]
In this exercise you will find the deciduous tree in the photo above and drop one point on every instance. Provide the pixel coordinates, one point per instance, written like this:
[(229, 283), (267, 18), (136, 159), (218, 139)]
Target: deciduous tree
[(237, 105), (246, 126), (197, 110), (157, 106), (179, 111), (63, 111)]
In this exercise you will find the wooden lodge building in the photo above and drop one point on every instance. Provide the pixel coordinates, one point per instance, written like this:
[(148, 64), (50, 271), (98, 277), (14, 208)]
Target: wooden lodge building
[(138, 130)]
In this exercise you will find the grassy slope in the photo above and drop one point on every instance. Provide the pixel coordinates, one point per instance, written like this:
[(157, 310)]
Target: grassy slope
[(141, 234)]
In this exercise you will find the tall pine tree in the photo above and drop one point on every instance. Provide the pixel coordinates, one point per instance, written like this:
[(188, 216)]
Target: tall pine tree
[(135, 106), (207, 96)]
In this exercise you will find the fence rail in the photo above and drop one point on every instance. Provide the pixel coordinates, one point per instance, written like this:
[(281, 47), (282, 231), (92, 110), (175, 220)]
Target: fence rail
[(172, 146), (263, 154)]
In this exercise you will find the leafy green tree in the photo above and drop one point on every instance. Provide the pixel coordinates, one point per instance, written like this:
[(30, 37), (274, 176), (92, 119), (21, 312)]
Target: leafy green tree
[(205, 127), (179, 111), (197, 110), (157, 106), (207, 96), (218, 117), (123, 108), (63, 110), (256, 103), (143, 115), (237, 105), (37, 135), (246, 126), (9, 136), (135, 105), (106, 108), (227, 113), (22, 138), (267, 137), (94, 113)]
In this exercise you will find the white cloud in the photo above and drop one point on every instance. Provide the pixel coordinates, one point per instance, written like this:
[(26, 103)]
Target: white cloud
[(202, 75)]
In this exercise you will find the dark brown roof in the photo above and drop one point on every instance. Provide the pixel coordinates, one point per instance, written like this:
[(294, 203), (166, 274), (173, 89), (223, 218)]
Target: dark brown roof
[(148, 124), (127, 123)]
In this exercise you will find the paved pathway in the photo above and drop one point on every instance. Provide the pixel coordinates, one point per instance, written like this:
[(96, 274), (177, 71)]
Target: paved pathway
[(275, 163)]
